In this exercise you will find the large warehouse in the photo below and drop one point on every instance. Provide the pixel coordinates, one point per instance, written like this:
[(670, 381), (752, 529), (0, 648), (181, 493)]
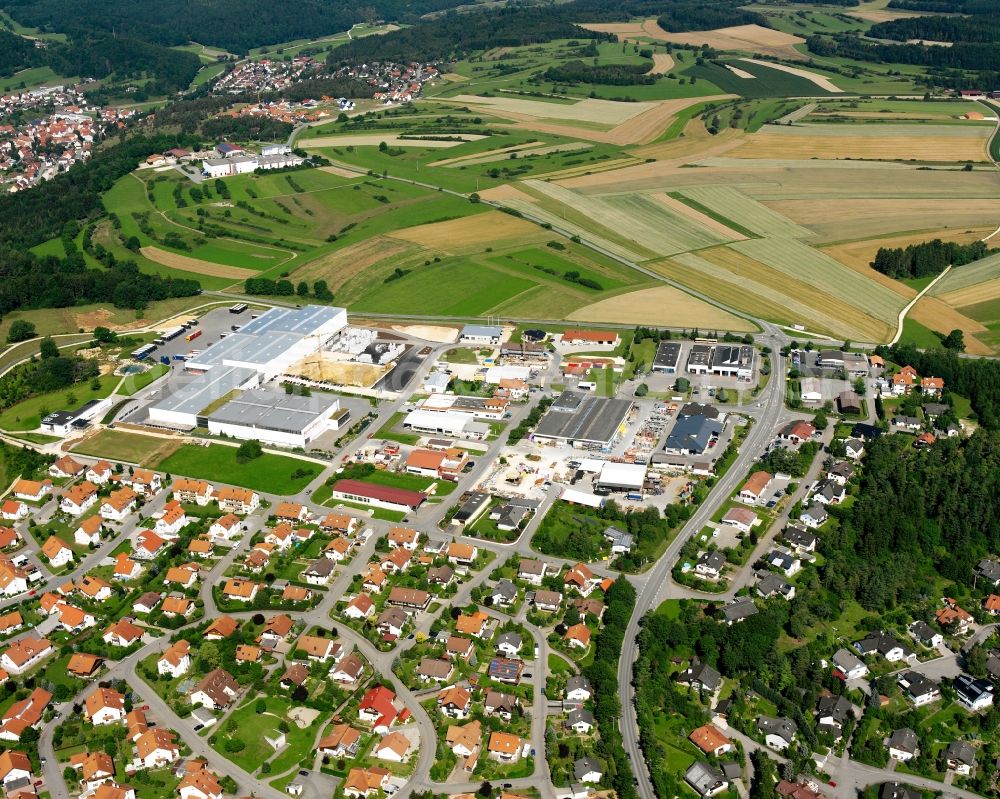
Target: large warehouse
[(582, 420), (209, 394)]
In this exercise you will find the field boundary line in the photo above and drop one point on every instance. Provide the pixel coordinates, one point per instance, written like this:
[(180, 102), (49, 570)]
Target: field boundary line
[(995, 111), (914, 301)]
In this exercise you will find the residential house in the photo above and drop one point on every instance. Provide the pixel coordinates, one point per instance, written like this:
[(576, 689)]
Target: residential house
[(172, 520), (755, 488), (360, 607), (903, 745), (342, 740), (157, 747), (700, 677), (580, 721), (104, 706), (176, 660), (923, 633), (706, 780), (547, 601), (587, 770), (501, 705), (919, 689), (222, 627), (778, 732), (225, 528), (148, 545), (959, 757), (122, 633), (393, 747), (709, 565), (886, 645), (348, 671), (832, 712), (57, 551), (197, 492), (238, 590), (455, 702), (100, 473), (216, 690), (377, 708), (505, 747), (710, 740), (849, 665), (143, 482), (973, 694), (531, 571), (89, 531), (66, 467), (240, 501), (25, 653), (362, 783), (79, 498)]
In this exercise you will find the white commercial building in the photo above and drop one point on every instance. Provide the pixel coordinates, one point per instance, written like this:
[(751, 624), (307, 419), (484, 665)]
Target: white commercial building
[(446, 423), (621, 476), (263, 349)]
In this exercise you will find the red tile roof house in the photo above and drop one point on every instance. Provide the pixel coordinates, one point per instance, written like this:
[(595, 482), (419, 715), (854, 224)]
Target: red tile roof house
[(377, 495), (377, 709)]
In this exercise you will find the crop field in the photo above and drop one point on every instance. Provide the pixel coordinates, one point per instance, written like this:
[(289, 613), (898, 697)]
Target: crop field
[(867, 219), (767, 81), (457, 235), (940, 143), (750, 38), (714, 224), (117, 445), (979, 323), (662, 305), (959, 279), (199, 267), (649, 227), (822, 82), (736, 207), (823, 273), (375, 139), (874, 110), (745, 283)]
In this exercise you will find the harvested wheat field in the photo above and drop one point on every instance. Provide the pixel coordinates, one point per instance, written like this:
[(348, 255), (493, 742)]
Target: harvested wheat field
[(500, 152), (933, 313), (648, 126), (821, 81), (696, 216), (741, 73), (662, 305), (861, 219), (972, 295), (471, 231), (604, 112), (750, 38), (982, 271), (336, 268), (342, 172), (375, 139), (662, 64), (948, 143), (183, 262), (622, 30), (436, 333)]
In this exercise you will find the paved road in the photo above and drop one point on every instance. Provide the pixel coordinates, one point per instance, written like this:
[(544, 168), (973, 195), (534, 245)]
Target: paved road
[(658, 579)]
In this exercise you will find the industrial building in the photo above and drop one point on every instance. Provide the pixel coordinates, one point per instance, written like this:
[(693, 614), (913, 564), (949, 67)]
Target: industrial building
[(446, 423), (276, 418), (62, 423), (692, 435), (628, 477), (584, 421), (482, 334), (722, 360), (260, 351), (667, 358)]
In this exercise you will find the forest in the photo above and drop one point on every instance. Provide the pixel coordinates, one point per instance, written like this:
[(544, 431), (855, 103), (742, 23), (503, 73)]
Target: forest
[(970, 56), (235, 25), (16, 53), (941, 29), (246, 128), (100, 55), (456, 35), (605, 74), (38, 215), (927, 258)]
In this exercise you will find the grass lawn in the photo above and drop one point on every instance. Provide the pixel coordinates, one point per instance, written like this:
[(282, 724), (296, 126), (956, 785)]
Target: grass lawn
[(558, 664), (135, 383), (460, 355), (376, 513), (389, 433), (276, 474), (250, 727), (410, 482), (919, 336), (27, 415), (120, 446)]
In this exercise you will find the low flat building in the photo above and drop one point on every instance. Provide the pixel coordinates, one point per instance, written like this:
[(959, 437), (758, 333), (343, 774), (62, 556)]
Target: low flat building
[(584, 421)]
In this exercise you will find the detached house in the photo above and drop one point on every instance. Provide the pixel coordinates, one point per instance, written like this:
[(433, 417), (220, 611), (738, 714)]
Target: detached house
[(89, 531), (104, 706), (31, 490), (100, 473), (119, 504), (57, 551), (144, 482), (122, 633), (172, 521), (66, 467), (196, 492), (237, 500), (79, 498), (176, 660), (216, 690)]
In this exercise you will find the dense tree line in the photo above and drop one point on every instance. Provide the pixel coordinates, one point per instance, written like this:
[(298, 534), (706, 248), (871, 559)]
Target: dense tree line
[(941, 29), (16, 53), (329, 86), (31, 217), (603, 676), (456, 35), (100, 55), (948, 6), (690, 15), (27, 281), (44, 375), (246, 128), (236, 25), (967, 56), (882, 554), (605, 74), (927, 258)]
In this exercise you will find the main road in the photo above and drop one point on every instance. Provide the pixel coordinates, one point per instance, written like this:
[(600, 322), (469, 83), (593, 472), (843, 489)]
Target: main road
[(648, 593)]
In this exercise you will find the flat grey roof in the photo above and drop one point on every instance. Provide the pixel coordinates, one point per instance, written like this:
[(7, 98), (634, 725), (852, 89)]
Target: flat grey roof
[(482, 330), (668, 353), (201, 391), (246, 349), (700, 354), (272, 410), (302, 321), (583, 418)]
